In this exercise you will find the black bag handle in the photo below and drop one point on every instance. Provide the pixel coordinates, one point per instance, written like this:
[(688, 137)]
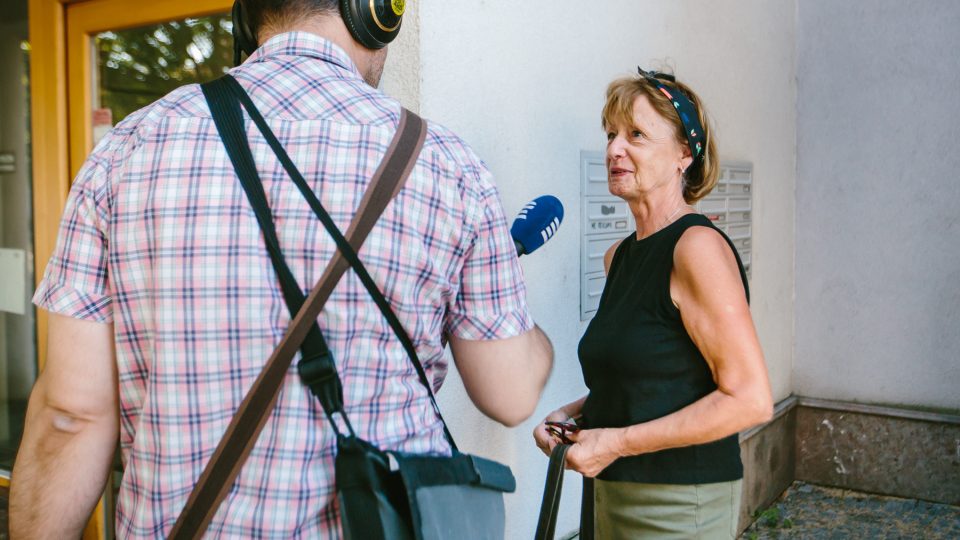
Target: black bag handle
[(551, 493)]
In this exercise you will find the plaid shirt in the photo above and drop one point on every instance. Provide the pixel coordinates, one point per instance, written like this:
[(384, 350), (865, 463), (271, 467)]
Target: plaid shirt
[(158, 238)]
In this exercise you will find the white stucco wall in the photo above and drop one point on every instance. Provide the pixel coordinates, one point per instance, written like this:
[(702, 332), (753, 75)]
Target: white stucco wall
[(878, 235), (401, 73), (523, 82)]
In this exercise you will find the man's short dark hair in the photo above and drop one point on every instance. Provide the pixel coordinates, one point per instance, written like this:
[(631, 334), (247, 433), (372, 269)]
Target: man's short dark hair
[(280, 13)]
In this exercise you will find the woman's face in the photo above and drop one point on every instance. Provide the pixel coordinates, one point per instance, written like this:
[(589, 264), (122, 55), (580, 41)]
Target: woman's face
[(644, 156)]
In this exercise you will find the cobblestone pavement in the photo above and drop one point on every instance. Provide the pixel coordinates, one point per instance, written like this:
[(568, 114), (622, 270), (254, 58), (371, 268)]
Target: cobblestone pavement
[(811, 512), (806, 511)]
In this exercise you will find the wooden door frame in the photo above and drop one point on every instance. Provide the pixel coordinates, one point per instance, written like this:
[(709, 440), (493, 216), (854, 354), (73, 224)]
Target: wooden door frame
[(49, 138), (88, 18), (59, 66)]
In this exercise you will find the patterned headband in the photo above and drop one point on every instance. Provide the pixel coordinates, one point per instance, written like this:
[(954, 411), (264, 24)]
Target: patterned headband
[(685, 110)]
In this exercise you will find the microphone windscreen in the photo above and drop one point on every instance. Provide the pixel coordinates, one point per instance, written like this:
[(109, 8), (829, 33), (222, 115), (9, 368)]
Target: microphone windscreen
[(536, 223)]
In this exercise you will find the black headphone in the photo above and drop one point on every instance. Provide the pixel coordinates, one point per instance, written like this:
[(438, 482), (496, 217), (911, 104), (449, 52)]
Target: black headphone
[(244, 40), (373, 23)]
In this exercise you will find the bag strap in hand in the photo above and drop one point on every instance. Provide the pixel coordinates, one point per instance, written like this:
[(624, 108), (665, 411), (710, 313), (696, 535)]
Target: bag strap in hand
[(551, 493), (247, 423)]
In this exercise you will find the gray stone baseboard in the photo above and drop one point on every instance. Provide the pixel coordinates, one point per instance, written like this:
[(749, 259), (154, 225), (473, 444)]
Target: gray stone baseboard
[(768, 453), (883, 450)]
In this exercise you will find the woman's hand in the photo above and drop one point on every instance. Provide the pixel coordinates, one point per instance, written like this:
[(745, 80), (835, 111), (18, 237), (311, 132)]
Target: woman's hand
[(544, 439), (594, 450)]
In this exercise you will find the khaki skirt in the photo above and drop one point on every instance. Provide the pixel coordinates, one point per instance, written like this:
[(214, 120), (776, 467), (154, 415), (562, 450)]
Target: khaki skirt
[(635, 510)]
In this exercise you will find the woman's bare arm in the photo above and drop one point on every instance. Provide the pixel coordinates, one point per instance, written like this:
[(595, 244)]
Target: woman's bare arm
[(707, 289)]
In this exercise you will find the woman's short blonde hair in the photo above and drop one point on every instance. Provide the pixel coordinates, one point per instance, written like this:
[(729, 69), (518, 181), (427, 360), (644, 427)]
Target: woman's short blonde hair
[(700, 178)]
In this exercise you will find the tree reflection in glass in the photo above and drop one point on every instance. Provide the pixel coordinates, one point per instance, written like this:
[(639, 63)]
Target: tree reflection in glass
[(139, 65)]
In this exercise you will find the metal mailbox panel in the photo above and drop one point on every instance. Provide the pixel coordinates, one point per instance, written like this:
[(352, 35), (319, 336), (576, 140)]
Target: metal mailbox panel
[(593, 249), (738, 230), (591, 288), (606, 219), (738, 204), (593, 174), (730, 206), (603, 216)]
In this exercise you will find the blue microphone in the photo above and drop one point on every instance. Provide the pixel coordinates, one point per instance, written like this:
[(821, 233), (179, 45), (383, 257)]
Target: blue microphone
[(536, 223)]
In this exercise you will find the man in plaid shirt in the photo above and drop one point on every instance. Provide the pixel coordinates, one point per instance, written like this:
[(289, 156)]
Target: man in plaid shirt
[(164, 305)]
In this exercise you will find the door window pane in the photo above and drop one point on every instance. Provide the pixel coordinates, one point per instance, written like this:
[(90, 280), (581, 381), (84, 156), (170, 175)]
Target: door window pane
[(18, 352), (137, 66)]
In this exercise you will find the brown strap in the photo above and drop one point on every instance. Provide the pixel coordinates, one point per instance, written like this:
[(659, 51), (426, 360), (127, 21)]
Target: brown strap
[(241, 435)]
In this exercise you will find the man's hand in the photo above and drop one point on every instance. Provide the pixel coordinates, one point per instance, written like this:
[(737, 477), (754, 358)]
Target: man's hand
[(70, 433)]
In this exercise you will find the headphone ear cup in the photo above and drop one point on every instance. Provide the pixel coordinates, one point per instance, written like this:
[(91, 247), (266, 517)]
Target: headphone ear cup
[(244, 39), (374, 23)]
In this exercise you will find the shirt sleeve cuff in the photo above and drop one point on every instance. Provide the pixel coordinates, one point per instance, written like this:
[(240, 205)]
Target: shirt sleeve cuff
[(63, 299), (495, 326)]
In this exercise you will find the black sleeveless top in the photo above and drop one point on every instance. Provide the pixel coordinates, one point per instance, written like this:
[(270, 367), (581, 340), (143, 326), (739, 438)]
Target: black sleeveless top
[(640, 364)]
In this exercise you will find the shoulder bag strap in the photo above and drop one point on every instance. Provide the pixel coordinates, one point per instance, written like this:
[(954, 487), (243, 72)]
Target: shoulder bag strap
[(551, 493), (247, 423), (345, 249), (316, 360)]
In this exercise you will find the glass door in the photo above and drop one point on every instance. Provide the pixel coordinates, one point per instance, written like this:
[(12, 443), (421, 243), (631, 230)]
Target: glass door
[(122, 56), (134, 67), (18, 354)]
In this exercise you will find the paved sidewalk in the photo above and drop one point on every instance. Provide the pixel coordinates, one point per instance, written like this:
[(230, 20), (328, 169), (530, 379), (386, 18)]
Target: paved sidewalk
[(811, 512), (806, 511)]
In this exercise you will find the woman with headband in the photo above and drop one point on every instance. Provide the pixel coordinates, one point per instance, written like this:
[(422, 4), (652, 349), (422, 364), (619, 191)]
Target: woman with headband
[(671, 358)]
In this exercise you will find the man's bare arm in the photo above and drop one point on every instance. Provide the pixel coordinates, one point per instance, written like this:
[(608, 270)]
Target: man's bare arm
[(504, 377), (70, 434)]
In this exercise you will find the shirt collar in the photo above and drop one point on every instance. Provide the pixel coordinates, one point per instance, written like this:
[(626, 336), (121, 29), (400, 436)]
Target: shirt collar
[(303, 44)]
